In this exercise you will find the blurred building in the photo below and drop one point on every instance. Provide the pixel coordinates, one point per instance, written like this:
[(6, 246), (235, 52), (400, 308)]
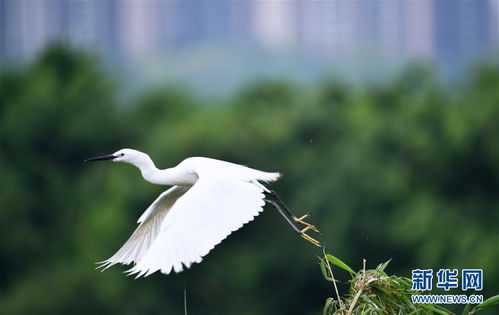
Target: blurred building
[(274, 23), (451, 32), (339, 27), (463, 31)]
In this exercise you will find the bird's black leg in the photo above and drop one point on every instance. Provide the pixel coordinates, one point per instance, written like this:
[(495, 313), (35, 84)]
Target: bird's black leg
[(281, 203), (289, 213), (286, 216), (277, 203)]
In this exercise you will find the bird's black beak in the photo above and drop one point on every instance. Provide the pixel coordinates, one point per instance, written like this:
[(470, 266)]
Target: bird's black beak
[(101, 158)]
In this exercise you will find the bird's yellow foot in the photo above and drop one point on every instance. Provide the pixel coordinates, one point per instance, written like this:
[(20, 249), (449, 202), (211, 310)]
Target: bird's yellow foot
[(308, 226)]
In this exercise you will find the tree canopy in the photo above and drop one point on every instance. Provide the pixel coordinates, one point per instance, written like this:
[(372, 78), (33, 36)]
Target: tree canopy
[(407, 170)]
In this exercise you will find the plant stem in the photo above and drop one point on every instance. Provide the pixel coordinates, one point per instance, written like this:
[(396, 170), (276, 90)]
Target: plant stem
[(352, 306), (185, 300), (361, 288), (332, 276)]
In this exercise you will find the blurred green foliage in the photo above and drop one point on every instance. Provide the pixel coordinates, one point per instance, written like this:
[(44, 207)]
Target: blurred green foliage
[(407, 170)]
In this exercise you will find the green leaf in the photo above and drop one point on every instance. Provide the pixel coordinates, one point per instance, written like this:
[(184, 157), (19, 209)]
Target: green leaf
[(443, 310), (367, 310), (436, 309), (324, 271), (407, 282), (338, 263), (382, 267), (466, 309), (327, 307), (405, 299), (488, 303)]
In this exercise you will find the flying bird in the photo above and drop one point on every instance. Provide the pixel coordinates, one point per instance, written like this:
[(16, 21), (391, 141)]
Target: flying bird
[(209, 199)]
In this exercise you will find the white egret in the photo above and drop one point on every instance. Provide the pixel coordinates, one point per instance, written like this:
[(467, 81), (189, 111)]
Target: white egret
[(209, 200)]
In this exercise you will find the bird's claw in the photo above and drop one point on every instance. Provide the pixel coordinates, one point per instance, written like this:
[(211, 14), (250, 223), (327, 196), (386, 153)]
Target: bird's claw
[(308, 226), (310, 239)]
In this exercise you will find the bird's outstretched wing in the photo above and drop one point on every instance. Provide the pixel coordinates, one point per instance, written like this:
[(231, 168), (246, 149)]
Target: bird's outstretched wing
[(199, 220), (149, 227)]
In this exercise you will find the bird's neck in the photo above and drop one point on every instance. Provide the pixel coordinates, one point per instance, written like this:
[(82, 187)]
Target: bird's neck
[(154, 175), (146, 167)]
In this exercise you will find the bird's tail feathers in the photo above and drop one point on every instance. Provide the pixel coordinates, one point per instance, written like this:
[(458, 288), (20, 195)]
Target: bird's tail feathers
[(267, 176)]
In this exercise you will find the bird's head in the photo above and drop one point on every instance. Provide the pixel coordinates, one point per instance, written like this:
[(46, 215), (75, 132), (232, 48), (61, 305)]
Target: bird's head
[(124, 155)]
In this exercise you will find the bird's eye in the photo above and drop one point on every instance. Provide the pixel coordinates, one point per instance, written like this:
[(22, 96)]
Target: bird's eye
[(122, 154)]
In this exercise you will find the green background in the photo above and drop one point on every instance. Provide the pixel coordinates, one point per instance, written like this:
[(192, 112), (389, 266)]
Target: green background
[(407, 170)]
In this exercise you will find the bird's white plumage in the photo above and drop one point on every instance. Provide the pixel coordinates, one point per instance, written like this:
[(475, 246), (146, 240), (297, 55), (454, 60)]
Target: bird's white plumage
[(199, 220), (149, 226), (210, 199)]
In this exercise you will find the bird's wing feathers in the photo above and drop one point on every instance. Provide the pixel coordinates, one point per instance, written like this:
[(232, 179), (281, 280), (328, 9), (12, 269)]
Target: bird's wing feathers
[(165, 200), (199, 220), (149, 226)]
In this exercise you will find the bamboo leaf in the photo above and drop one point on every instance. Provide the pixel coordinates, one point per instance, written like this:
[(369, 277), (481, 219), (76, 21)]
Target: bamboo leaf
[(324, 270), (436, 309), (338, 263), (466, 309), (327, 307), (382, 267), (487, 303)]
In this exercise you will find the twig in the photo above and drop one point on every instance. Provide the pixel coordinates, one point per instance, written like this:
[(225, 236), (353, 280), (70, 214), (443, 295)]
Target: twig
[(361, 288), (352, 306), (185, 301), (332, 276)]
